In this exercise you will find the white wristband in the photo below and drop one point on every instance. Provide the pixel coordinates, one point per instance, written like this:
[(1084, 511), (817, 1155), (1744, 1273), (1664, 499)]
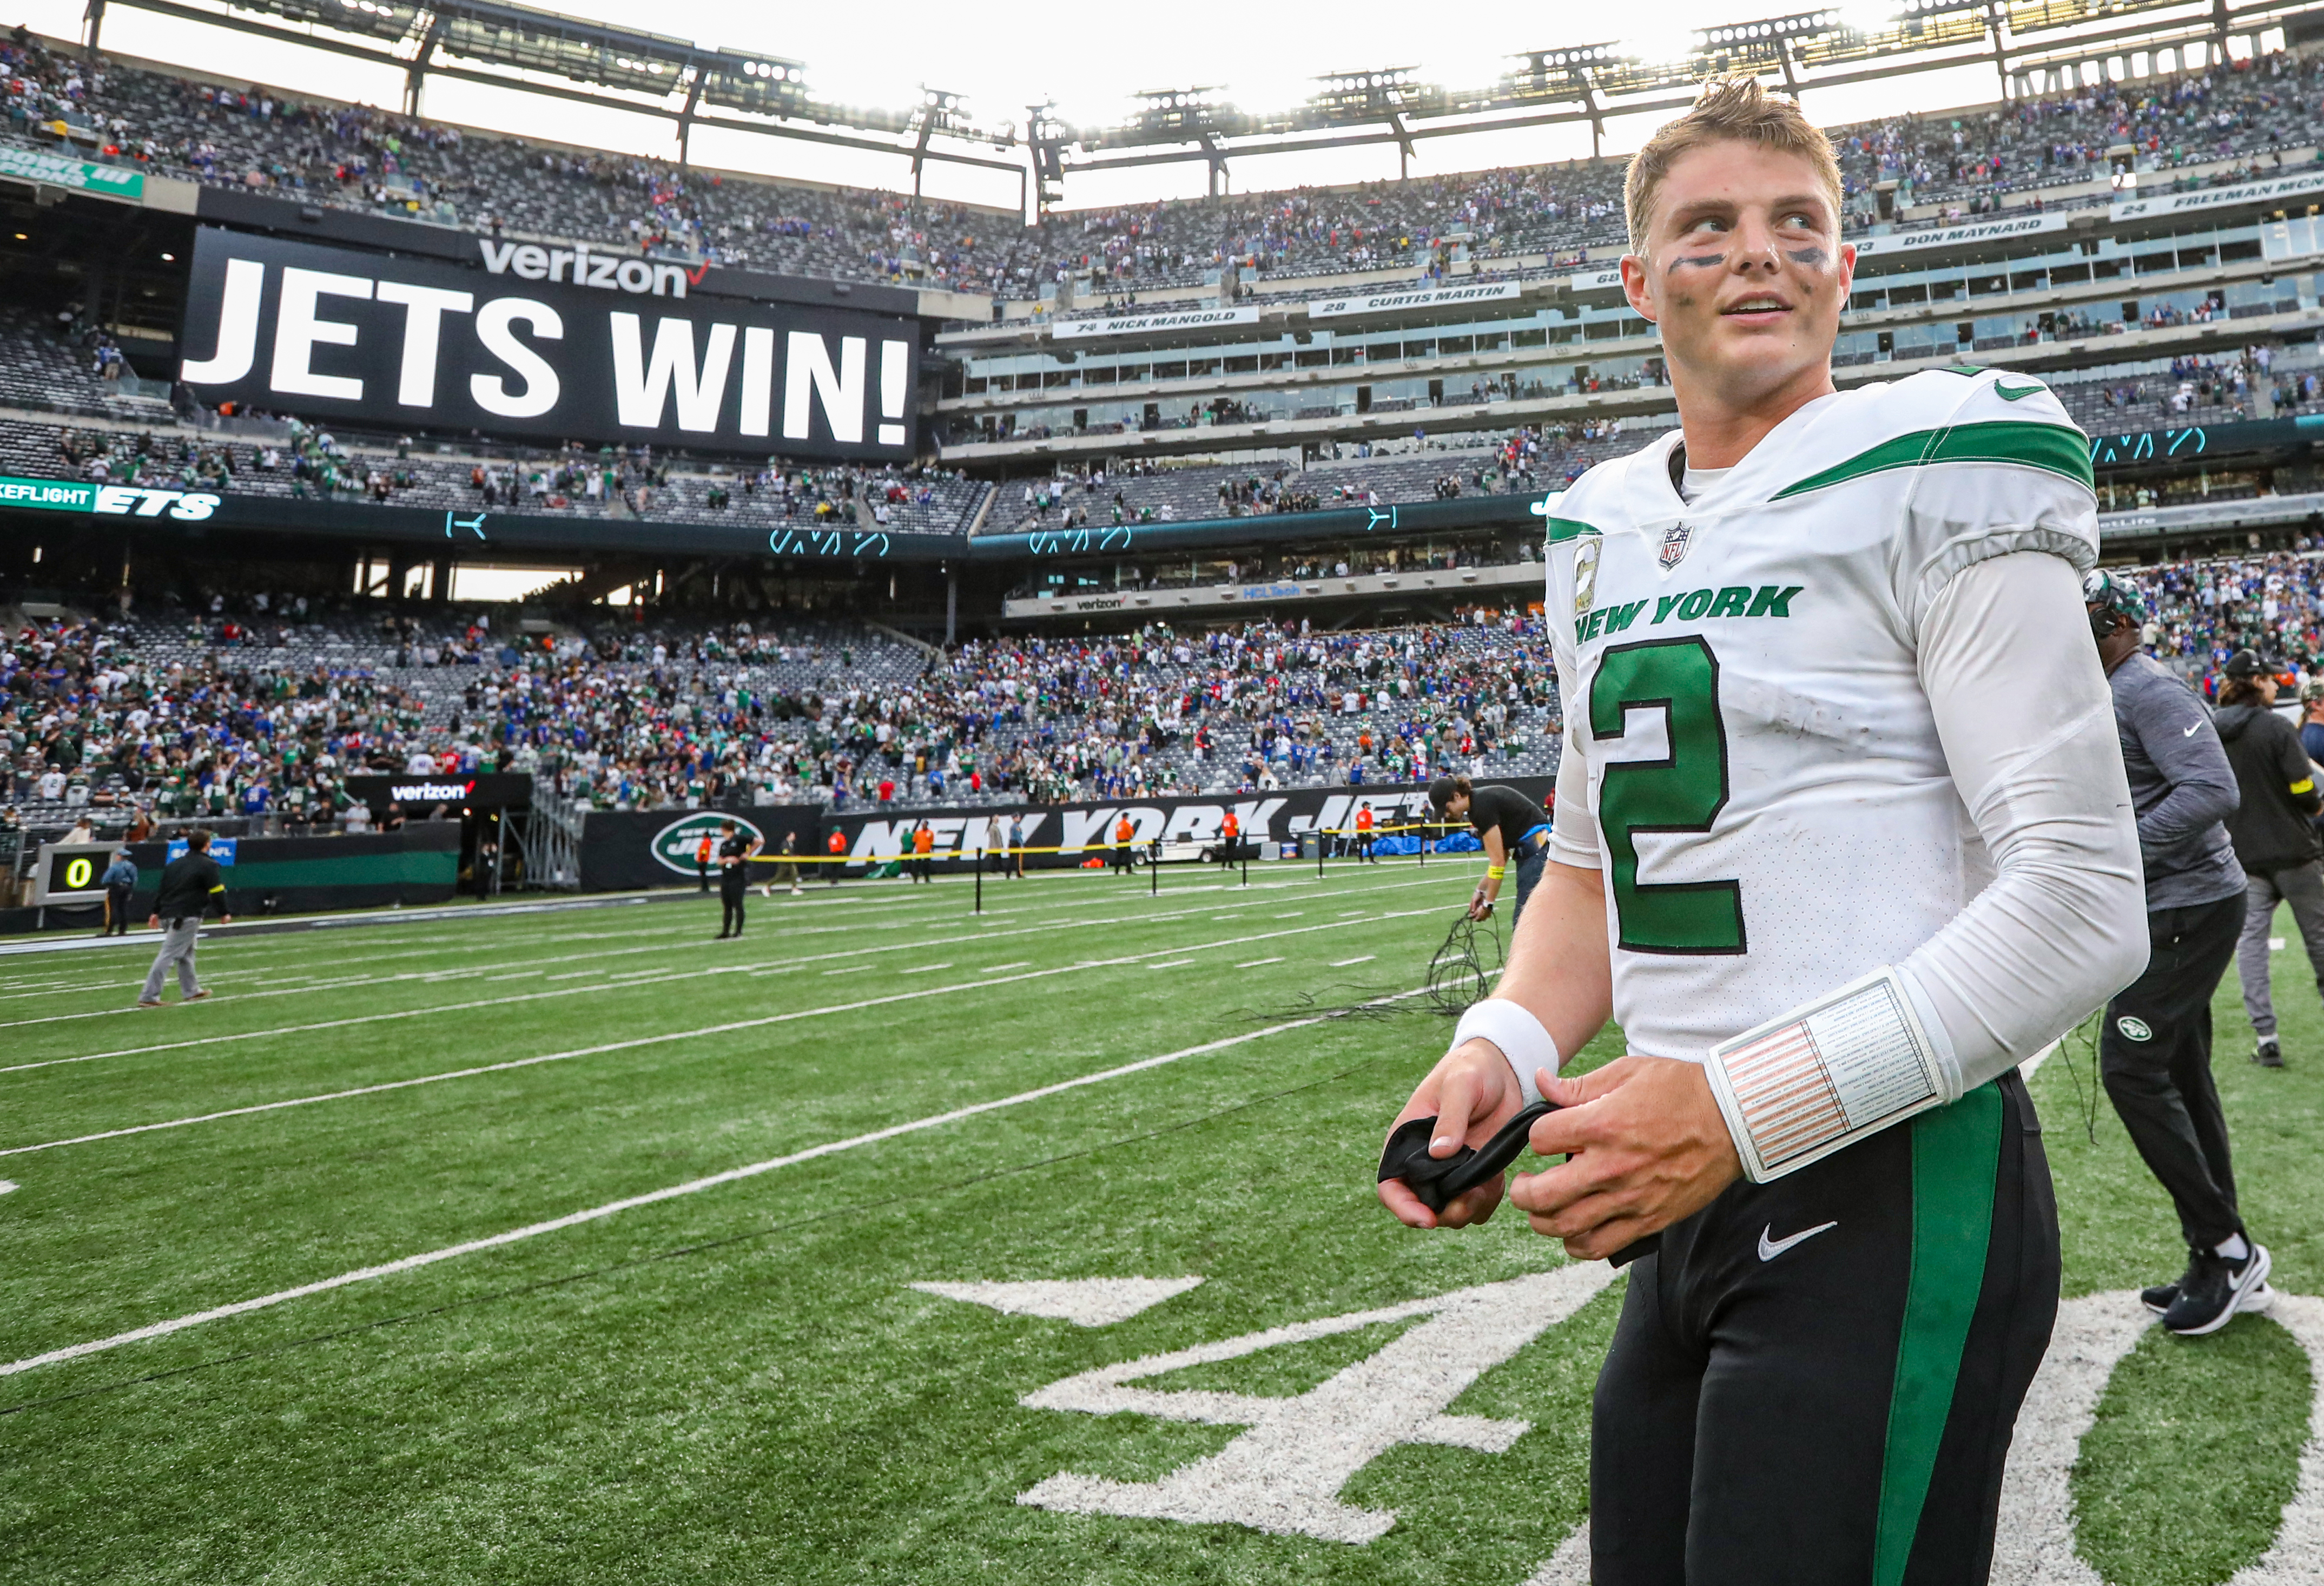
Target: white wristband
[(1519, 1035), (1803, 1085)]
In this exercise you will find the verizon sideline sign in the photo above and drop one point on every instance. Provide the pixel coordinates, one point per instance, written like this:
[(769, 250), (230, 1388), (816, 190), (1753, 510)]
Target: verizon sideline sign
[(457, 791), (541, 347)]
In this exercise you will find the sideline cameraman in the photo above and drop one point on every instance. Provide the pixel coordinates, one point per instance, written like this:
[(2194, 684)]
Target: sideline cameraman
[(2274, 836)]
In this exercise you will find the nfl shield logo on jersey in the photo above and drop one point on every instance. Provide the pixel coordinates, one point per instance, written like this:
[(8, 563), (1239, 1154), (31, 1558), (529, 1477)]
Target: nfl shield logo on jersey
[(1674, 543)]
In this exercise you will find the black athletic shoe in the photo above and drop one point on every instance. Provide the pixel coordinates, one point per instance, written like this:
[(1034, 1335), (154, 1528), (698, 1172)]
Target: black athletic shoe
[(2268, 1054), (2215, 1290), (2158, 1298)]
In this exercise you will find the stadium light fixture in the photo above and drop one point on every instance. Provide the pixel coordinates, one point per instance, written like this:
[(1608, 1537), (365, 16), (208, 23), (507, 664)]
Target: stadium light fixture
[(1662, 47), (1867, 16)]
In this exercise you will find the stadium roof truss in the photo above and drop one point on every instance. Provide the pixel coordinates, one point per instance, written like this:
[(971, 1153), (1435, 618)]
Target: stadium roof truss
[(2027, 42), (1589, 83), (549, 53)]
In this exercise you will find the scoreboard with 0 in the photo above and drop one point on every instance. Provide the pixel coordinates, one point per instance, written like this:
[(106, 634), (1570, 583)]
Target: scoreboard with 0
[(73, 872)]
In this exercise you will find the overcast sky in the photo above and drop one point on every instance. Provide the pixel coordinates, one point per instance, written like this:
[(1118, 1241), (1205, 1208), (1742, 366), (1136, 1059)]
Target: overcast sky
[(882, 55)]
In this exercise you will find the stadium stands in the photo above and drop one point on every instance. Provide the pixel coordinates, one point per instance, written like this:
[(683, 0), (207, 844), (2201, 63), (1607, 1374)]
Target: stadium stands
[(2216, 125), (259, 712), (1525, 460), (312, 464), (2202, 612)]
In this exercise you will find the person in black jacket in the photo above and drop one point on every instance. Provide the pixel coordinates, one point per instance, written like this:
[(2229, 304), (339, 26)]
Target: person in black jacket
[(2274, 837), (190, 884), (733, 857)]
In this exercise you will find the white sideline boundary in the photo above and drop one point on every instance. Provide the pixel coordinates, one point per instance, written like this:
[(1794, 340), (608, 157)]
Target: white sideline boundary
[(653, 1197), (715, 1029), (442, 976)]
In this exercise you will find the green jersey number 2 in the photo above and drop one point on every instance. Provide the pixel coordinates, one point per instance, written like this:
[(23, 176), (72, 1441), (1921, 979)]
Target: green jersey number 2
[(1682, 792)]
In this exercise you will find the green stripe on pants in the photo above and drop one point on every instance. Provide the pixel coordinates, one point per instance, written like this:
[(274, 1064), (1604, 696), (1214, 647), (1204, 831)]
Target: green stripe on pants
[(1956, 1154)]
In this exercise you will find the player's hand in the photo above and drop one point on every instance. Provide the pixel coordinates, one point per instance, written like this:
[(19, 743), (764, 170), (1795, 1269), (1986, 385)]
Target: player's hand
[(154, 923), (225, 920), (1475, 1082), (1647, 1146), (1481, 908)]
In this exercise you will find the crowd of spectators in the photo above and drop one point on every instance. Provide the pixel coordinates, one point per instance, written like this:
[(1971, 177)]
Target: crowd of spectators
[(1521, 461), (2201, 612), (310, 462), (260, 712), (2224, 123)]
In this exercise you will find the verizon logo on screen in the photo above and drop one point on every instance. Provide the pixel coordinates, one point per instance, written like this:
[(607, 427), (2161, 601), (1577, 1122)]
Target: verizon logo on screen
[(421, 792), (578, 264)]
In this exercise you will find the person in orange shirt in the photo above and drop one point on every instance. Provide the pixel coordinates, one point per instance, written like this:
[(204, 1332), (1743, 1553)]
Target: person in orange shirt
[(1230, 834), (923, 846), (836, 847), (1364, 833), (1123, 831), (702, 852)]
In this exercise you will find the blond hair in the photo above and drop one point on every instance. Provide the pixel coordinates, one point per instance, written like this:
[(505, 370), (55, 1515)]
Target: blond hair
[(1736, 109)]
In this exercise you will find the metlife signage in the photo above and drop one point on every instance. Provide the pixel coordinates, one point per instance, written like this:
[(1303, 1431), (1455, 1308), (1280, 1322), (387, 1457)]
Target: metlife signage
[(561, 344)]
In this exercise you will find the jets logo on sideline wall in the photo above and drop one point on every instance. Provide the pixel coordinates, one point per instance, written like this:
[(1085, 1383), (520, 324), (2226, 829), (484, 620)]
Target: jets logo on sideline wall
[(677, 844)]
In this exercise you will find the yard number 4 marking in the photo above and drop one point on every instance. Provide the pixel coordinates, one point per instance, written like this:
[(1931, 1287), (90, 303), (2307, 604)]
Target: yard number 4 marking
[(1283, 1475)]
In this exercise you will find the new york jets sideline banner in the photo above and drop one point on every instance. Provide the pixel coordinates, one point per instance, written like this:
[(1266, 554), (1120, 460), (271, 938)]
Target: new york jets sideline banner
[(624, 850)]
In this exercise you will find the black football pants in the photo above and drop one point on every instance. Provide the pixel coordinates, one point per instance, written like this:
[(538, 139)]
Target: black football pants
[(1814, 1381), (2154, 1054), (731, 894)]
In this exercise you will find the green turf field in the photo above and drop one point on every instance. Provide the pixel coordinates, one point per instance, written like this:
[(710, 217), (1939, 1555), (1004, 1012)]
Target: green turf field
[(740, 1382)]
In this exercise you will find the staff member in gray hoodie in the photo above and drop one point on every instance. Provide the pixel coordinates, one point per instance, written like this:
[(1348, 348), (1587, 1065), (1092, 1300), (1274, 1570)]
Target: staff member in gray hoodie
[(2154, 1048), (2274, 833)]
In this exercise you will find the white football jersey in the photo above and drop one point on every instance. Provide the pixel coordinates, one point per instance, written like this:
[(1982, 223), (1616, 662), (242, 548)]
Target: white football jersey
[(1750, 755)]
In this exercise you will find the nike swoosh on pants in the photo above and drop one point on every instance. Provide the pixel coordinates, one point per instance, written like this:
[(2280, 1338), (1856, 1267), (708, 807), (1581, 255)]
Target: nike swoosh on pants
[(1769, 1249)]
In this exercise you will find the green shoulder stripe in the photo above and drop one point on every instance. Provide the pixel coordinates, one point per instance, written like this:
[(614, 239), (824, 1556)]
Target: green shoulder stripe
[(2052, 447), (1565, 529)]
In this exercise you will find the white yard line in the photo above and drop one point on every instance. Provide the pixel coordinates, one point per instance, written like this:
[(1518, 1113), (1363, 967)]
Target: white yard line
[(1352, 963), (925, 969), (1257, 963), (691, 1186), (1173, 963), (665, 977), (425, 977), (514, 1062)]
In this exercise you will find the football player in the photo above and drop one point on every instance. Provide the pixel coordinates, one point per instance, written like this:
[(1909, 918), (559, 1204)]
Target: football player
[(1842, 835)]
